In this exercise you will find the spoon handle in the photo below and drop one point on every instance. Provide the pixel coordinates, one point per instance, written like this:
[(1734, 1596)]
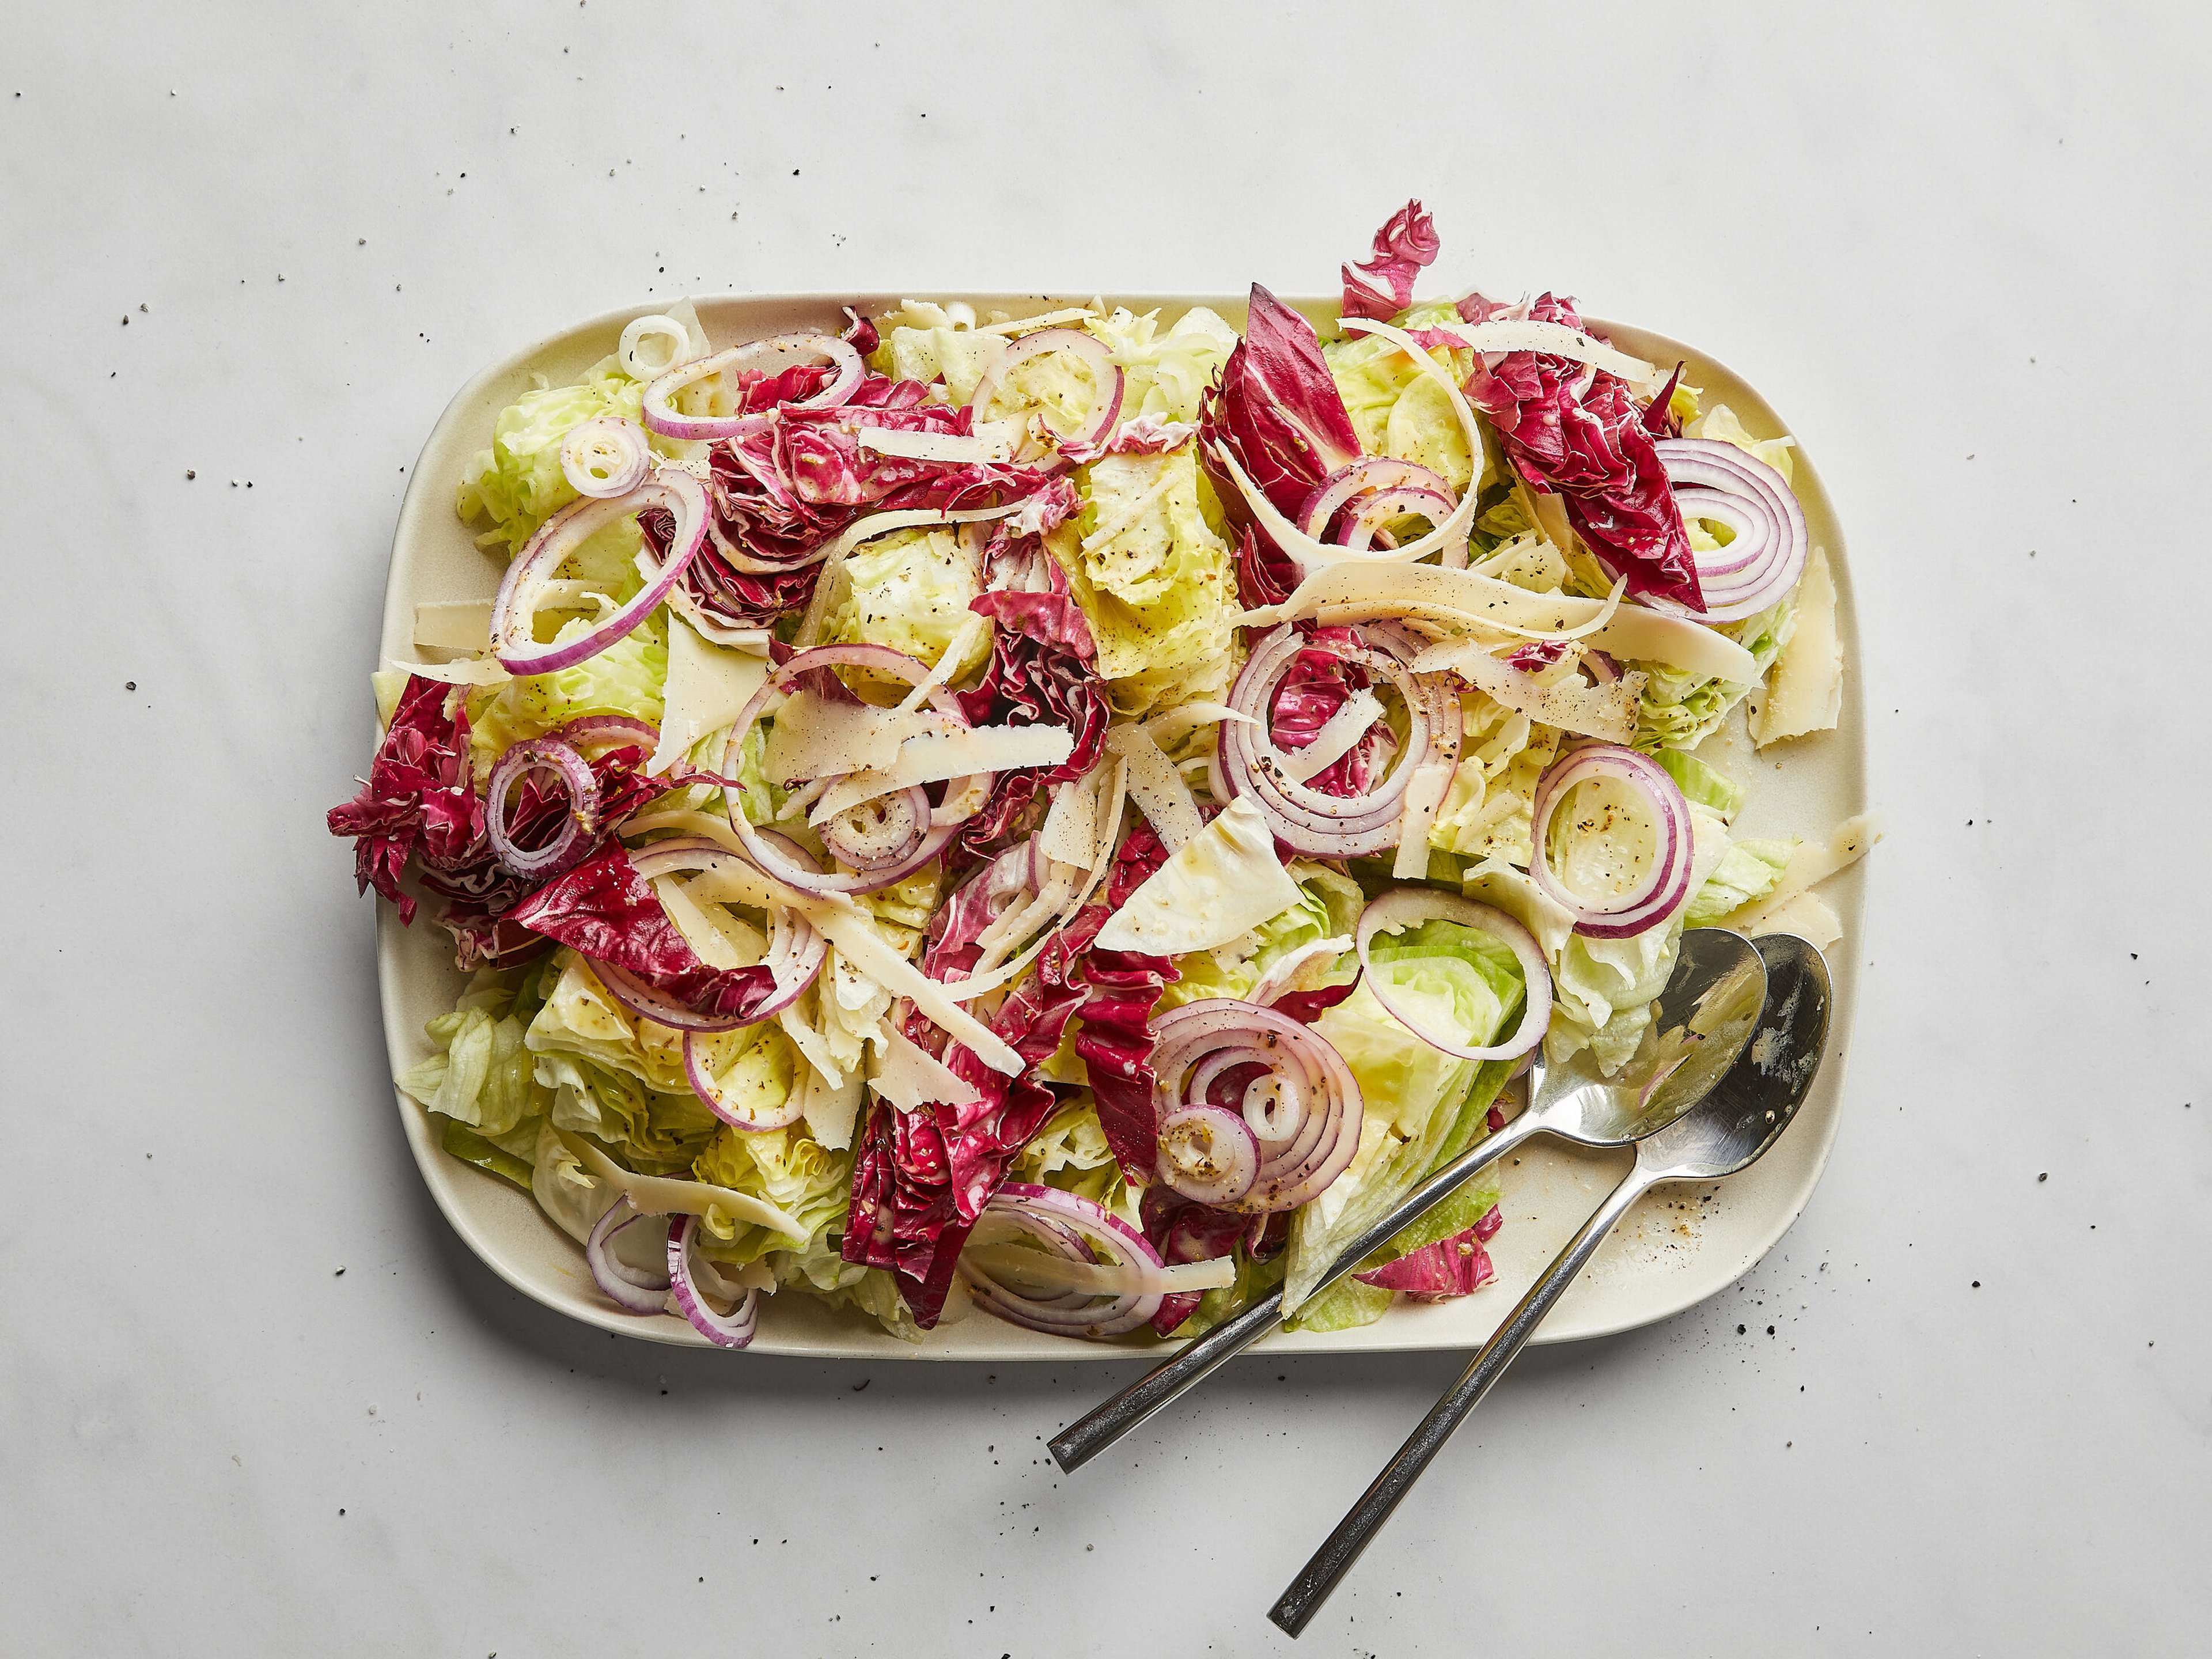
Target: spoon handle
[(1358, 1529), (1198, 1359)]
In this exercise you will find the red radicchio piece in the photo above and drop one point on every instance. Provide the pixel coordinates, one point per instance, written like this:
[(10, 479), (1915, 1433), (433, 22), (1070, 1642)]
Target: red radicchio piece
[(605, 910), (1307, 1007), (1276, 408), (1575, 431), (1537, 654), (1182, 1230), (418, 796), (1316, 686), (1457, 1266), (1383, 286)]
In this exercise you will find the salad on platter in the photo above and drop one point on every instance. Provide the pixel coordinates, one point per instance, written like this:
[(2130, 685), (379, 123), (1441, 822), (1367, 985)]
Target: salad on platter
[(1068, 819)]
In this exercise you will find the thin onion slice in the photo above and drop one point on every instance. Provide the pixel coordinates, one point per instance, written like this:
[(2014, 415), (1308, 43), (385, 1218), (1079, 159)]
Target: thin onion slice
[(691, 1280), (1306, 1126), (1208, 1153), (1717, 481), (1407, 907), (1107, 379), (605, 455), (641, 363), (1077, 1230), (1366, 476), (513, 612), (638, 1289), (1661, 892), (578, 825), (795, 953), (662, 416)]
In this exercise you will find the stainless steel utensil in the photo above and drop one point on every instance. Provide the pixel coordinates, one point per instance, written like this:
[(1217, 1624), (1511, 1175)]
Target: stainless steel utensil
[(1703, 1019), (1727, 1131)]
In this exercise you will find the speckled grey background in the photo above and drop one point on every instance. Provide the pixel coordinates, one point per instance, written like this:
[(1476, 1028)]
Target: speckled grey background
[(1961, 1409)]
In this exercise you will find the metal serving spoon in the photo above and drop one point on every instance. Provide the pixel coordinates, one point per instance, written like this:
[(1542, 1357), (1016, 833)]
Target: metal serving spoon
[(1704, 1017), (1742, 1116)]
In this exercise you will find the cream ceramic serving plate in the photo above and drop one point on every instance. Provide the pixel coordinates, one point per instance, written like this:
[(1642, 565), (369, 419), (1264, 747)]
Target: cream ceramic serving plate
[(1678, 1247)]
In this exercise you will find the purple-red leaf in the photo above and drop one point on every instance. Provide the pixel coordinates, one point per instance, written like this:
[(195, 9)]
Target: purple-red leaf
[(1457, 1266), (1383, 286), (1276, 408)]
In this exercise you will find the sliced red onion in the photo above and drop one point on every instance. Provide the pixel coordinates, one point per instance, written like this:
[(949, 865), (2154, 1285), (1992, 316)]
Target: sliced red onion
[(772, 353), (636, 352), (1208, 1153), (578, 825), (513, 612), (1106, 377), (1306, 1126), (1306, 819), (692, 1279), (1348, 485), (1719, 482), (760, 847), (604, 731), (795, 952), (1603, 670), (1409, 906), (605, 456), (646, 1001), (1377, 510), (880, 833), (638, 1289), (1660, 893), (1077, 1230), (698, 1067)]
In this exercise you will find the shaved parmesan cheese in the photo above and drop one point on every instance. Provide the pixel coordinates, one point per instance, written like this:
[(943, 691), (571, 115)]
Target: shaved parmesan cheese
[(708, 687), (988, 443), (1553, 340), (1813, 861), (1807, 690), (1350, 593), (719, 944), (1030, 325), (1424, 793), (1606, 711), (1225, 882), (661, 1195), (1170, 728), (910, 1078), (948, 660), (1157, 787), (1070, 833), (1808, 916), (854, 933), (814, 737), (1339, 733), (453, 624), (934, 758), (831, 1110), (469, 670)]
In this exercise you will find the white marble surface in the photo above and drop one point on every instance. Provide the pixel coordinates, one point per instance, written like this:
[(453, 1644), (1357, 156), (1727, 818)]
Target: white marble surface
[(1964, 257)]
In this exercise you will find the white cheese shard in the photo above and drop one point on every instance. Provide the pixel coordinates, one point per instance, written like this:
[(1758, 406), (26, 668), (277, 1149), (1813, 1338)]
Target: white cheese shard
[(815, 737), (1070, 832), (910, 1078), (1352, 592), (453, 624), (1806, 692), (1424, 793), (1157, 787), (1339, 736), (1553, 340), (988, 443), (1224, 882), (708, 687), (1607, 711), (466, 671), (1813, 861), (1809, 916), (937, 756), (663, 1195), (854, 933)]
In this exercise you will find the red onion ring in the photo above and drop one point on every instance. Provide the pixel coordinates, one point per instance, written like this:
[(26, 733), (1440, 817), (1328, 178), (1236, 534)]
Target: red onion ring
[(1365, 477), (1303, 818), (703, 1084), (1208, 1154), (876, 659), (1306, 1128), (605, 731), (638, 1289), (1106, 376), (1378, 509), (1659, 894), (1075, 1230), (1718, 481), (687, 1283), (658, 414), (1405, 906), (655, 326), (520, 591), (604, 457), (578, 825), (880, 832)]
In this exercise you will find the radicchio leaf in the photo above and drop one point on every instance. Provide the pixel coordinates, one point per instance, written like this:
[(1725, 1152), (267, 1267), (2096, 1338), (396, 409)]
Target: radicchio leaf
[(1316, 686), (1453, 1267), (418, 794), (606, 912), (1575, 430), (1276, 408), (1383, 286)]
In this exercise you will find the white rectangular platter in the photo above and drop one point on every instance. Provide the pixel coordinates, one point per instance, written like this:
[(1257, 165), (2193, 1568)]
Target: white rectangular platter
[(1680, 1246)]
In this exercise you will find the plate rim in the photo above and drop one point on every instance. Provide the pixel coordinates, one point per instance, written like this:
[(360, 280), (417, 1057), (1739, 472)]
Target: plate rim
[(442, 1174)]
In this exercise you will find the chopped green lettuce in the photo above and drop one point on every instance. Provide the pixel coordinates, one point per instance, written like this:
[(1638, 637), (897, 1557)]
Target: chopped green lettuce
[(788, 1168), (1748, 871), (626, 678), (516, 483), (1703, 785), (1680, 710), (1396, 409), (910, 590), (1165, 373)]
